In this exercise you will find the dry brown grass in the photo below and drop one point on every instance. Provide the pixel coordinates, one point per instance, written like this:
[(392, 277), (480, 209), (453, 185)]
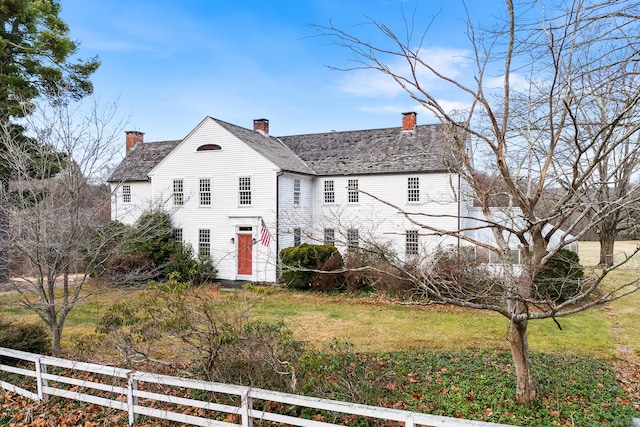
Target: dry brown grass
[(590, 253), (623, 316)]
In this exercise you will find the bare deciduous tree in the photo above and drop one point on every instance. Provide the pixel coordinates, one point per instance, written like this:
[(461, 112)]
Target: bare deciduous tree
[(561, 118), (56, 200)]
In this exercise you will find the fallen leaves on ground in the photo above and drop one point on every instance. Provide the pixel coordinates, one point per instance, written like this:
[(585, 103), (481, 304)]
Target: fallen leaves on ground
[(19, 411)]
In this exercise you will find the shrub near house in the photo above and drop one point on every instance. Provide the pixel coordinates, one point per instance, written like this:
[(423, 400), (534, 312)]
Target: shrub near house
[(300, 265), (146, 251), (30, 337), (560, 279)]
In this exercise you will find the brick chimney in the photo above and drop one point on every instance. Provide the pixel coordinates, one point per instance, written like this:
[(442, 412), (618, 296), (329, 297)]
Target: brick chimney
[(133, 137), (262, 126), (409, 120)]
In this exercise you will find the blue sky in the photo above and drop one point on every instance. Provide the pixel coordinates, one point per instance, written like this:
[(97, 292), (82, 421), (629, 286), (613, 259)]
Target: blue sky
[(168, 64)]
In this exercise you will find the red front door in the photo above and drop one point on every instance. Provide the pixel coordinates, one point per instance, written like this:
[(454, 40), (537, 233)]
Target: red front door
[(245, 247)]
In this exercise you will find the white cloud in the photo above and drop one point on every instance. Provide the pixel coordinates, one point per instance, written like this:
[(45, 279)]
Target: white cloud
[(369, 84), (453, 63), (452, 106), (424, 114), (516, 82)]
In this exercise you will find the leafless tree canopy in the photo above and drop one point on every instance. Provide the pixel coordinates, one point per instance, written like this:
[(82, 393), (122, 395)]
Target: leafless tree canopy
[(56, 200), (551, 111)]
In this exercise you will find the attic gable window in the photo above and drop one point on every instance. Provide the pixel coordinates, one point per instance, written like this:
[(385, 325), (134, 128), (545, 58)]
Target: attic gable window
[(209, 147)]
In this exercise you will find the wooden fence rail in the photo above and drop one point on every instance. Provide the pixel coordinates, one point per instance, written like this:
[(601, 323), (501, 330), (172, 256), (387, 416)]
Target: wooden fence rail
[(188, 401)]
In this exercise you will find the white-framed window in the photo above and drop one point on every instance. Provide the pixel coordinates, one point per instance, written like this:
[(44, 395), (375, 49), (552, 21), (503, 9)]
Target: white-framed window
[(413, 189), (209, 147), (177, 236), (353, 238), (353, 195), (126, 193), (178, 192), (329, 191), (329, 236), (204, 242), (244, 191), (296, 192), (411, 244), (205, 191), (297, 237)]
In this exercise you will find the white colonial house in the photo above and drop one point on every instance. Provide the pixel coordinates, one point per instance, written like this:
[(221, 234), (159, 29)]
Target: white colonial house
[(241, 195)]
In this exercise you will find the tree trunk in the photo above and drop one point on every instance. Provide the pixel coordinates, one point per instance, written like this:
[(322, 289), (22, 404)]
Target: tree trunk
[(4, 233), (525, 383), (56, 336), (607, 237)]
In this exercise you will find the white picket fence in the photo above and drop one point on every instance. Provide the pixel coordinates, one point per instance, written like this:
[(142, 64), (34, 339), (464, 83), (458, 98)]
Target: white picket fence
[(138, 392)]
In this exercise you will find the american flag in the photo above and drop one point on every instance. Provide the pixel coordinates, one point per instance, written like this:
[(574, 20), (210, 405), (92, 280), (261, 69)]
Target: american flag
[(265, 236)]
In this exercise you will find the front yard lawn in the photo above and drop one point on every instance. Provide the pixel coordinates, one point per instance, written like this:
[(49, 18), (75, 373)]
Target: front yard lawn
[(435, 359)]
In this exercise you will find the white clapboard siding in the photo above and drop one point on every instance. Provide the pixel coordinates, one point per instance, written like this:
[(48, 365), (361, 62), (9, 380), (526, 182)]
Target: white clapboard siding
[(292, 216), (225, 215), (378, 215), (141, 200)]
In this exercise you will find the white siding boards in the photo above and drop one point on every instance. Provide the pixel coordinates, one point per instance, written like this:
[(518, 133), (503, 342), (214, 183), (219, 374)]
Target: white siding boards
[(221, 188), (241, 195)]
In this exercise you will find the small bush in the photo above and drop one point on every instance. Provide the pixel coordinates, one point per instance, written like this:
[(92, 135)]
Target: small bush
[(560, 278), (114, 255), (374, 269), (146, 251), (105, 242), (84, 346), (197, 270), (227, 343), (256, 353), (333, 279), (459, 275), (299, 262), (30, 337), (153, 236), (130, 268)]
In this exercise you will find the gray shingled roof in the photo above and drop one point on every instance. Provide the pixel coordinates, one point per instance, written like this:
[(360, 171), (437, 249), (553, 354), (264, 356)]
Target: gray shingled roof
[(140, 160), (389, 150), (271, 148), (371, 151)]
